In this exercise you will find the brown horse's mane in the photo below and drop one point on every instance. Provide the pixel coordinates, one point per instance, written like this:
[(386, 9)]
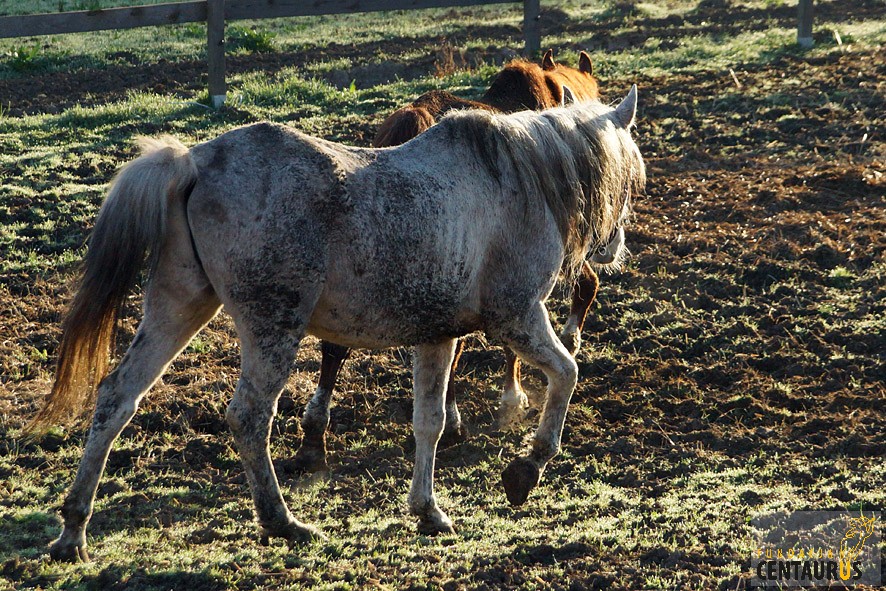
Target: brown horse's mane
[(520, 86)]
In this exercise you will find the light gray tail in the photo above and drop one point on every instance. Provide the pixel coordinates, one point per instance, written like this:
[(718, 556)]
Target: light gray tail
[(130, 226)]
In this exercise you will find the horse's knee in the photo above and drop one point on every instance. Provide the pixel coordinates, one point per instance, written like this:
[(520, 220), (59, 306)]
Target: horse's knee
[(114, 406), (429, 425), (242, 417), (565, 375)]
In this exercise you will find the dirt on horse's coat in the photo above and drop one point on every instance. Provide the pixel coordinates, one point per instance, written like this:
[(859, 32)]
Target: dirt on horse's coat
[(294, 235)]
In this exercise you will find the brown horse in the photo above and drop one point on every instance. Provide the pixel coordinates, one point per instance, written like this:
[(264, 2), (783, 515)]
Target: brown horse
[(520, 86)]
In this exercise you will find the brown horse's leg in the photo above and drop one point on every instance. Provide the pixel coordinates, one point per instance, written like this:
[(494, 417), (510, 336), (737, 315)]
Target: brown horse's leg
[(454, 431), (583, 295), (514, 401), (311, 456), (172, 317)]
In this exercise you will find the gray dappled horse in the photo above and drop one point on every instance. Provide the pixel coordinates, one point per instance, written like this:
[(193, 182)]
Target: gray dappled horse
[(519, 86), (466, 228)]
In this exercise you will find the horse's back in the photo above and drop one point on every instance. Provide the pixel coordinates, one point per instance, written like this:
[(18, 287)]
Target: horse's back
[(424, 112), (261, 212)]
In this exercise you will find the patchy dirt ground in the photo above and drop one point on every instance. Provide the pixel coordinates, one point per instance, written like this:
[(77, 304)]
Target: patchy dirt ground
[(747, 331)]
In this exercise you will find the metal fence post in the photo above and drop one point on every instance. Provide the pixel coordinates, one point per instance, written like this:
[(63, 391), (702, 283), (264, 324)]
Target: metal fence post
[(804, 27), (215, 50), (531, 26)]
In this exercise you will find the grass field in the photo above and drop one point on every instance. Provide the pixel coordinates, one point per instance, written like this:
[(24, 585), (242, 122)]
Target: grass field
[(735, 366)]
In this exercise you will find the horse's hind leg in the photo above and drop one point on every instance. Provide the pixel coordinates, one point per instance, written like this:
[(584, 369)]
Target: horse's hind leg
[(536, 343), (176, 308), (430, 376), (583, 294), (267, 356), (311, 455)]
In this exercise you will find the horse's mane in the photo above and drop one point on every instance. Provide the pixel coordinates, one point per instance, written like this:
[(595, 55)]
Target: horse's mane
[(584, 167)]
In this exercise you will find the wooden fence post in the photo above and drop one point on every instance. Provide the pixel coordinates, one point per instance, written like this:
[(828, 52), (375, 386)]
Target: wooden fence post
[(804, 28), (531, 26), (215, 50)]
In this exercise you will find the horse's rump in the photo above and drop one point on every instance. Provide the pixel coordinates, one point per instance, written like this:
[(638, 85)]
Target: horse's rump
[(403, 125)]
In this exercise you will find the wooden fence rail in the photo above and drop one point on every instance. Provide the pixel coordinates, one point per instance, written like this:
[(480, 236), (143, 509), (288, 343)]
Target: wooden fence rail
[(216, 12)]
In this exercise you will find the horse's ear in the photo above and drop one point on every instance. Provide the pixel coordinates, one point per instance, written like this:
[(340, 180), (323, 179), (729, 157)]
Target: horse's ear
[(547, 62), (568, 97), (584, 64), (627, 109)]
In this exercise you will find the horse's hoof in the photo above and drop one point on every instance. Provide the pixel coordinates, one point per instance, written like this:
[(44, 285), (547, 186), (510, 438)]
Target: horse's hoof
[(572, 341), (511, 415), (304, 534), (308, 460), (435, 524), (453, 436), (295, 533), (519, 478), (62, 551)]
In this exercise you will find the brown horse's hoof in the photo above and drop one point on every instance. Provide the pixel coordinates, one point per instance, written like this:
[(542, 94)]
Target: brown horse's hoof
[(62, 551), (572, 341), (453, 436), (308, 460), (519, 478)]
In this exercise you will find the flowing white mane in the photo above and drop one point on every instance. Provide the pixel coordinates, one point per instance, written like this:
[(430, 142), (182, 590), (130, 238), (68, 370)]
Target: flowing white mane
[(577, 158)]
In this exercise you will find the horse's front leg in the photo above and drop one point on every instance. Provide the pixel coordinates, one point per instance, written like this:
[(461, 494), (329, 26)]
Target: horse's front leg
[(311, 455), (430, 375), (514, 401), (583, 294), (533, 338), (266, 363)]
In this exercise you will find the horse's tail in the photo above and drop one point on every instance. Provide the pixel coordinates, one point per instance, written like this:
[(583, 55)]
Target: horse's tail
[(403, 125), (130, 225)]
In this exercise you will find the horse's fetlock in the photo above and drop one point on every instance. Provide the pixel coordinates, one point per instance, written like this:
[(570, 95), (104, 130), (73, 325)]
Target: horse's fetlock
[(421, 506), (232, 417), (74, 512), (542, 451), (315, 422)]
